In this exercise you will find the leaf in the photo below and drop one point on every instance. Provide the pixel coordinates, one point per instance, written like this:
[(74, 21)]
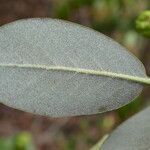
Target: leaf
[(56, 68), (134, 134)]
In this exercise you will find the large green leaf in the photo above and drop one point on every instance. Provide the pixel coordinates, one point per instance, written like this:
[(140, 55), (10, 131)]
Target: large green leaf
[(134, 134), (56, 68)]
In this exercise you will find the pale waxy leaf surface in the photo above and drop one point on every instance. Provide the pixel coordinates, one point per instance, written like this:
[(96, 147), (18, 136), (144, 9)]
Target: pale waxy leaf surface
[(33, 53), (133, 134)]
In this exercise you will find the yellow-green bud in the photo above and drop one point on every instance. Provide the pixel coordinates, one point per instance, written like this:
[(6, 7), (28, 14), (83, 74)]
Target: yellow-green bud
[(143, 23)]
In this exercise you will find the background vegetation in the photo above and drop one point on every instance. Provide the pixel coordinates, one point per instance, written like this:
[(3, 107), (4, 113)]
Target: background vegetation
[(115, 18)]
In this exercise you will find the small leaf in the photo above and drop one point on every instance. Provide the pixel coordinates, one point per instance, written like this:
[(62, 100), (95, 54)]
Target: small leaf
[(56, 68), (134, 134)]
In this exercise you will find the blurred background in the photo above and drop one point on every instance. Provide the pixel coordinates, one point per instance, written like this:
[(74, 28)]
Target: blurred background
[(115, 18)]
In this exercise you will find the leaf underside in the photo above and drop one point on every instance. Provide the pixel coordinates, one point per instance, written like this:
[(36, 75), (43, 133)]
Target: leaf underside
[(57, 93)]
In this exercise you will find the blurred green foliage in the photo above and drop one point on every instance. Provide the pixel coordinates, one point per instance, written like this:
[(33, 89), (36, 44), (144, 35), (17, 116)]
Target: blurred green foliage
[(130, 109), (63, 10), (106, 15), (115, 18), (21, 141), (143, 23)]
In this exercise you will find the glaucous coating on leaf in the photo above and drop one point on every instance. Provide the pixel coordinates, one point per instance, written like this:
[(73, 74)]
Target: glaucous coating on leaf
[(133, 134), (35, 58)]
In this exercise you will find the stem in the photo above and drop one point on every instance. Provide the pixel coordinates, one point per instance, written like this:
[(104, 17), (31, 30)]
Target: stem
[(137, 79), (100, 143)]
